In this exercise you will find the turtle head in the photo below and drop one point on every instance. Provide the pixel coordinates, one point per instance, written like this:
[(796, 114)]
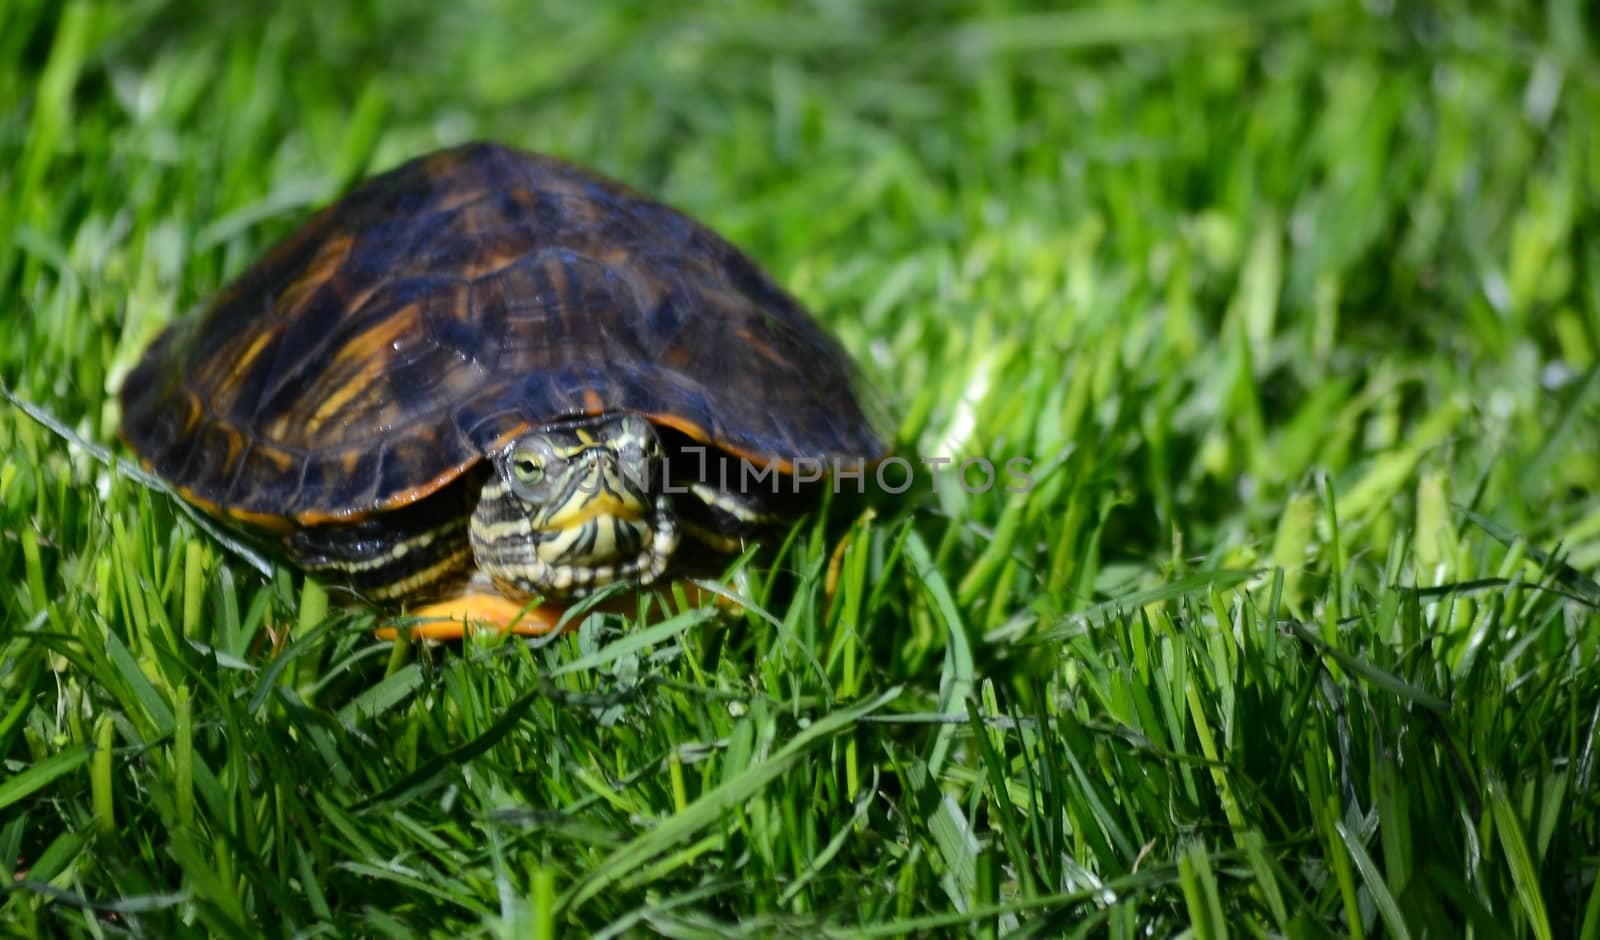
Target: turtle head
[(575, 506)]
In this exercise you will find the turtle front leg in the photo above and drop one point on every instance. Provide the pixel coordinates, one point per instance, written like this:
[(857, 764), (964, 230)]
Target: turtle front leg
[(477, 606), (457, 617)]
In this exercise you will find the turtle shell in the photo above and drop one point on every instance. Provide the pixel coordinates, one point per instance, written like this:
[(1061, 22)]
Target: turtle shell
[(441, 308)]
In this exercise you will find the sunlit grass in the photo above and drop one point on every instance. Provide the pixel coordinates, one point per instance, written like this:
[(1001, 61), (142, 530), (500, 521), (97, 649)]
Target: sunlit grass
[(1295, 313)]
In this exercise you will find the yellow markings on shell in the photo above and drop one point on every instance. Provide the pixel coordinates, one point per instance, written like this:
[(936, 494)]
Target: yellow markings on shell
[(281, 459), (235, 444), (453, 197), (330, 257), (348, 389), (195, 410), (367, 352), (241, 364), (261, 520)]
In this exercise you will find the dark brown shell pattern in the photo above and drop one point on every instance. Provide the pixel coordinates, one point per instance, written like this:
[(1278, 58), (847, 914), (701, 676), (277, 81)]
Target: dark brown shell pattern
[(414, 325)]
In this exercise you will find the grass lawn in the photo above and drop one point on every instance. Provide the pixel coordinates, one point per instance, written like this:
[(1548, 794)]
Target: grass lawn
[(1295, 307)]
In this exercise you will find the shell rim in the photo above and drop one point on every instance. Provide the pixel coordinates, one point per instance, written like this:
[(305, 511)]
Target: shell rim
[(283, 524)]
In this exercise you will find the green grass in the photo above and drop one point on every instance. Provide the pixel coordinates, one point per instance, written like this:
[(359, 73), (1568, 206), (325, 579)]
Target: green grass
[(1296, 309)]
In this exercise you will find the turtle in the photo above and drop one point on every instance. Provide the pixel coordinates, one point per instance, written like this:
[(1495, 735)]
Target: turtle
[(488, 378)]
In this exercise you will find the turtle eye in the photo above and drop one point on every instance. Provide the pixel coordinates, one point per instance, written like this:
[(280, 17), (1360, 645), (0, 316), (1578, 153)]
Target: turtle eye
[(527, 468), (649, 445)]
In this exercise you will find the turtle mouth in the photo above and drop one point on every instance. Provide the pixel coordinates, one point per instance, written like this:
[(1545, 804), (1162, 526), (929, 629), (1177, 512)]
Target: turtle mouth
[(623, 509)]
